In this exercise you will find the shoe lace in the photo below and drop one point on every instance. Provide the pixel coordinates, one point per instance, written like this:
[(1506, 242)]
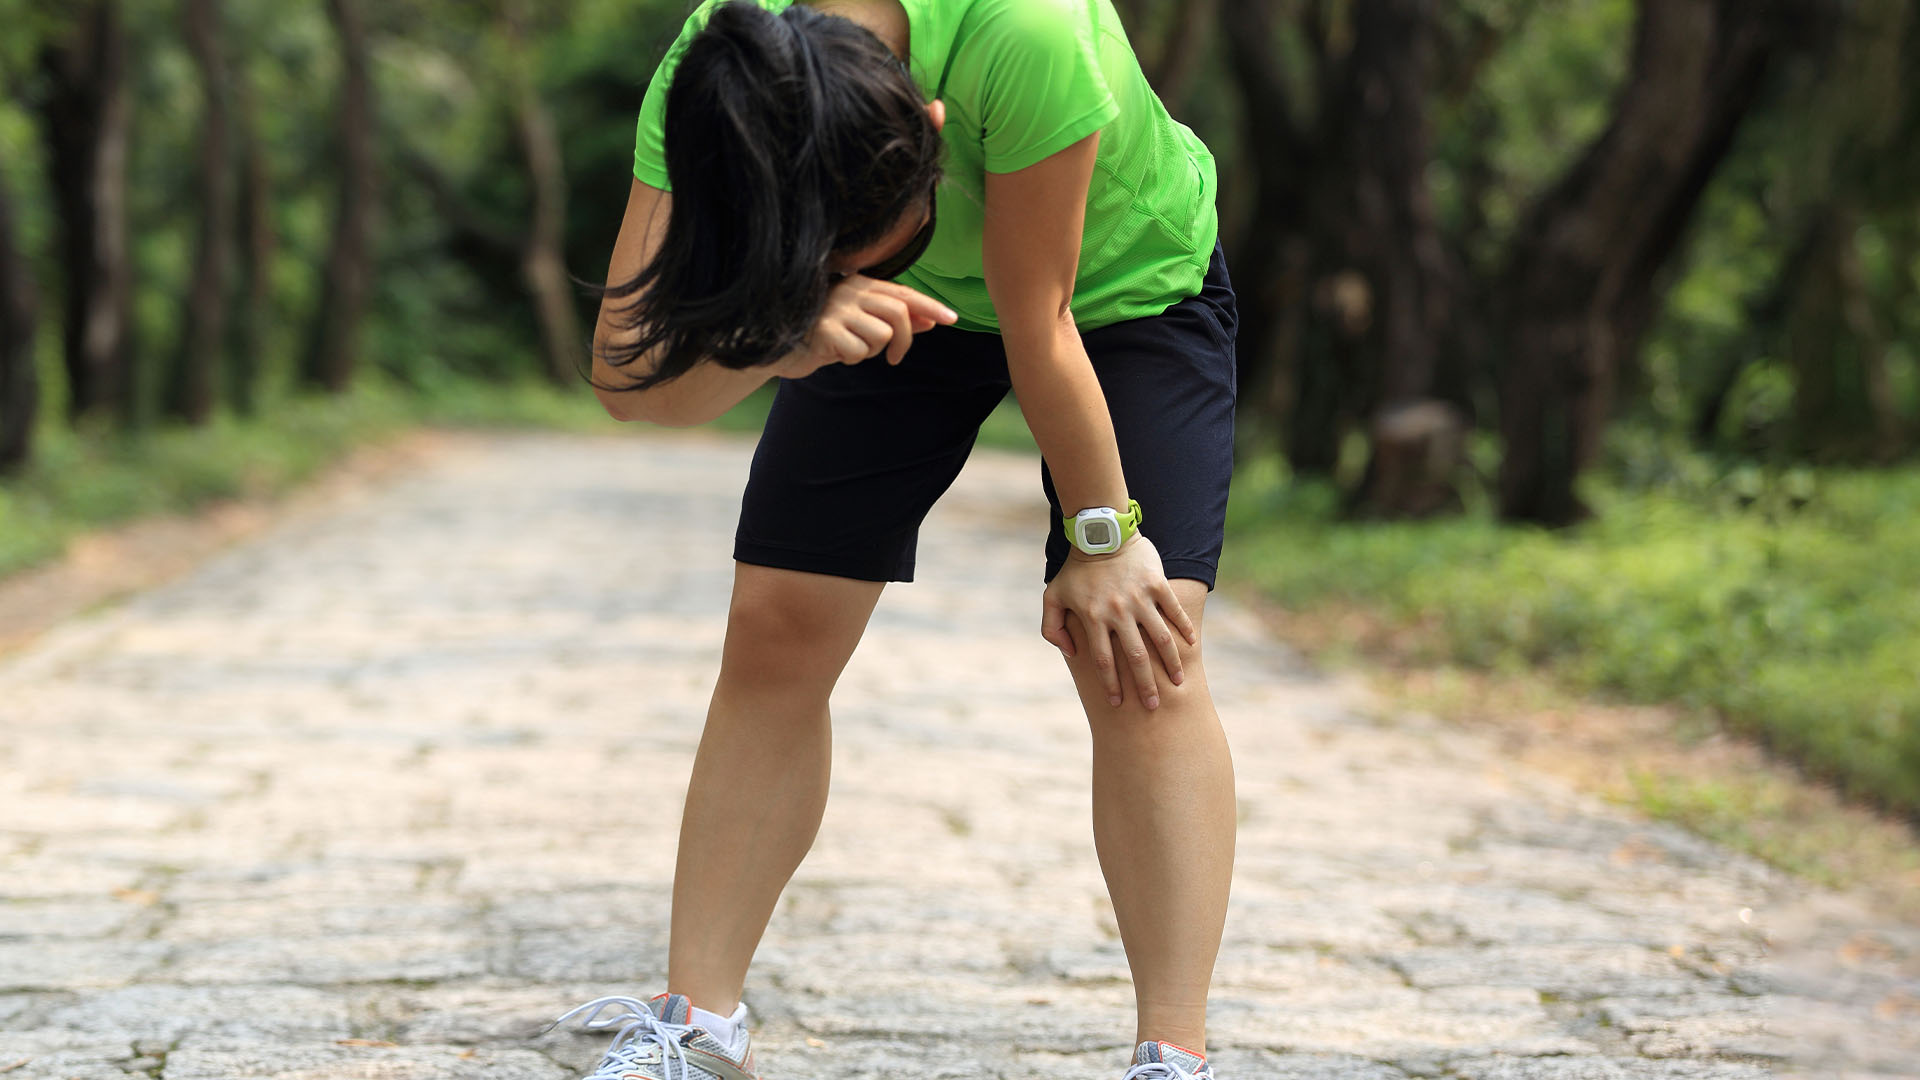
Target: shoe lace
[(653, 1039)]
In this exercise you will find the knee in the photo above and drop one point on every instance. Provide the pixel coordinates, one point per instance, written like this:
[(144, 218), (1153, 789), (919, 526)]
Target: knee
[(1181, 704), (784, 636)]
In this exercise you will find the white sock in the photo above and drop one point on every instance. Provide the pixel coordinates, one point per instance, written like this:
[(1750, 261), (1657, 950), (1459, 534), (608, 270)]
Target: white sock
[(720, 1027)]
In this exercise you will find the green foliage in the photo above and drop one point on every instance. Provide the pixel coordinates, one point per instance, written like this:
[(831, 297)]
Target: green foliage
[(1788, 604), (87, 480), (1548, 91)]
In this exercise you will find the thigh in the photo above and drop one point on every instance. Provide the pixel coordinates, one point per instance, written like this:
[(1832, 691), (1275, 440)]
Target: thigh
[(1169, 385), (853, 457)]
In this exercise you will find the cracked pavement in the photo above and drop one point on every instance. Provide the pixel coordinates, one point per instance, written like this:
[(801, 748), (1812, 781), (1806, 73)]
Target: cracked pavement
[(381, 791)]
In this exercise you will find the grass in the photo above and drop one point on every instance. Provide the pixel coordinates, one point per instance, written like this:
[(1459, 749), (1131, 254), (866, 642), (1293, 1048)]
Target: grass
[(1787, 608)]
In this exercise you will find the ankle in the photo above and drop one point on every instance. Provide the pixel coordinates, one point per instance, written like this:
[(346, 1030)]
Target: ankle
[(720, 1025), (1195, 1043)]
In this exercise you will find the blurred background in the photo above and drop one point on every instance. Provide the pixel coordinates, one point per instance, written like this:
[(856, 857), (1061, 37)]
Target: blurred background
[(1578, 336)]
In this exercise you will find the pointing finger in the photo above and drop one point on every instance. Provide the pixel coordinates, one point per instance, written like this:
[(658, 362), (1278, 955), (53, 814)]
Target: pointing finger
[(919, 303)]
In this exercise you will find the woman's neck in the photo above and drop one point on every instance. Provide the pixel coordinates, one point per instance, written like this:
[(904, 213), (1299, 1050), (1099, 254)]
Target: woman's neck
[(884, 19)]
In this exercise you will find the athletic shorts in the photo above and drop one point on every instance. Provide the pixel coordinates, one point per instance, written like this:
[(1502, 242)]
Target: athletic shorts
[(853, 456)]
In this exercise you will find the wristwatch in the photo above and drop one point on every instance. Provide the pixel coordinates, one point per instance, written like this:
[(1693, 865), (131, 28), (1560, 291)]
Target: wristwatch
[(1098, 530)]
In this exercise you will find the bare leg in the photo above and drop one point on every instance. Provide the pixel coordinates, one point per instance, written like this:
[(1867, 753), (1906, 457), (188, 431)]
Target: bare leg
[(759, 783), (1164, 819)]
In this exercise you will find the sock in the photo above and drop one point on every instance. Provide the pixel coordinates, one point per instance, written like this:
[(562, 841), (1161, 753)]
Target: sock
[(720, 1027)]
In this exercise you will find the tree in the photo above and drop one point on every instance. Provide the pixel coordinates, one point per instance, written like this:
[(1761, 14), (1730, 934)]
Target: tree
[(19, 313), (1860, 170), (256, 235), (1583, 277), (191, 386), (348, 275), (1391, 243), (85, 117), (1348, 283), (1282, 140), (543, 259)]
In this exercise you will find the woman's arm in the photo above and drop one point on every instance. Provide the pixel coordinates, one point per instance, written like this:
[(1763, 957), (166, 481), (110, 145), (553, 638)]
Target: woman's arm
[(696, 397), (1031, 252), (862, 317)]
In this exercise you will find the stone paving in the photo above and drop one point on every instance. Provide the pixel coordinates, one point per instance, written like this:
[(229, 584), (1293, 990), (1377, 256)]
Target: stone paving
[(385, 789)]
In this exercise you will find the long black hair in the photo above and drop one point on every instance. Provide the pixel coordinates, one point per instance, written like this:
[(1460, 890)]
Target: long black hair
[(788, 138)]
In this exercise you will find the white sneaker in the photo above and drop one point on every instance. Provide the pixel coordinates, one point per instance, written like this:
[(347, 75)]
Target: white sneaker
[(656, 1041), (1165, 1061)]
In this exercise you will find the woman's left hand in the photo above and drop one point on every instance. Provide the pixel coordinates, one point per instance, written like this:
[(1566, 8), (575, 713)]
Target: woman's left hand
[(1120, 597)]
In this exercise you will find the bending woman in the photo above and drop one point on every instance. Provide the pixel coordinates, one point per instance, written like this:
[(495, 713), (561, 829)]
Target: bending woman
[(901, 209)]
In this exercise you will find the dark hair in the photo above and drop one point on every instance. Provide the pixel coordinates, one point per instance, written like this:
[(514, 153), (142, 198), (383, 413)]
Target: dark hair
[(788, 138)]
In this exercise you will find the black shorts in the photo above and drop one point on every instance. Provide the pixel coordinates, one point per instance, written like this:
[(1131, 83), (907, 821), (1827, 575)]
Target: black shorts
[(853, 457)]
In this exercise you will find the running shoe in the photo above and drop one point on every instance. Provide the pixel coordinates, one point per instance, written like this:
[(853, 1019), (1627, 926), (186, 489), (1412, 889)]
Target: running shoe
[(1165, 1061), (655, 1041)]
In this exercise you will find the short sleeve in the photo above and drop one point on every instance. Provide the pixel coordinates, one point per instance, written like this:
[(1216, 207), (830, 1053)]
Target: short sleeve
[(650, 139), (1041, 85)]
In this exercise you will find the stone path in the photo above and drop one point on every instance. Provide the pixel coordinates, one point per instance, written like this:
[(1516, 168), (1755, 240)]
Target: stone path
[(380, 792)]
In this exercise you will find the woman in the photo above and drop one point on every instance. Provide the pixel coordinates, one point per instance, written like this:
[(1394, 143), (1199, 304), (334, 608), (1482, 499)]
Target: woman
[(1051, 230)]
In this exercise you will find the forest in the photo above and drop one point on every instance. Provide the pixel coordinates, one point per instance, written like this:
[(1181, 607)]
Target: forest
[(1498, 261)]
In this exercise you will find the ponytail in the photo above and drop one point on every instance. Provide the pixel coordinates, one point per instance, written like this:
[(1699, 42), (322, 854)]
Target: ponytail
[(788, 138)]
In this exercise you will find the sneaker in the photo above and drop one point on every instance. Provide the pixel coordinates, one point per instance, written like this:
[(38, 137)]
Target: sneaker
[(1165, 1061), (655, 1041)]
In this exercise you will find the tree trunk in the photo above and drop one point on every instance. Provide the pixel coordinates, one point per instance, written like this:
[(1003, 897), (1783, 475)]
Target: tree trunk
[(349, 271), (1582, 279), (19, 313), (1347, 284), (86, 122), (1392, 242), (248, 331), (1843, 402), (1273, 257), (190, 390), (543, 261)]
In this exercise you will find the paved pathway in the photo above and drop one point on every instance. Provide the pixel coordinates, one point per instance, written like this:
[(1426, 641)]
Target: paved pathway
[(380, 792)]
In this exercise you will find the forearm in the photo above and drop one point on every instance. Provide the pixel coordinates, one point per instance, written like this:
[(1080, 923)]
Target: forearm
[(1064, 408), (696, 397), (702, 394)]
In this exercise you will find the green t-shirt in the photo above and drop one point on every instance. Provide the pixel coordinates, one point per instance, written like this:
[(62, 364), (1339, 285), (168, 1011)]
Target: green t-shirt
[(1023, 79)]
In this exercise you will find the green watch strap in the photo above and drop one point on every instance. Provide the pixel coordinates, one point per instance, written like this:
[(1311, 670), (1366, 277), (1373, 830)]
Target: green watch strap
[(1129, 523)]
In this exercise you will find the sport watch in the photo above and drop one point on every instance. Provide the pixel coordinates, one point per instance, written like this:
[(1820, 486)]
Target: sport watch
[(1098, 530)]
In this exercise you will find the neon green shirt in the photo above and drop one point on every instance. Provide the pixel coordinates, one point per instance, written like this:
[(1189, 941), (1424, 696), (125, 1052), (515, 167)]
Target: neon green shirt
[(1024, 79)]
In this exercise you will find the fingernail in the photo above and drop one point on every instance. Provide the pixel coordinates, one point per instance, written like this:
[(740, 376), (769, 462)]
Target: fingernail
[(1178, 678), (1153, 703), (951, 314), (1114, 700)]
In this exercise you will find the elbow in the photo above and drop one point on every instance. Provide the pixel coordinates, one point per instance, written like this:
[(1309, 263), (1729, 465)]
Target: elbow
[(619, 404), (626, 406), (643, 407), (1063, 315)]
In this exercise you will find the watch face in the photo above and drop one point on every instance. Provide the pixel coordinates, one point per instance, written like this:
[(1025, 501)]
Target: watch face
[(1097, 533)]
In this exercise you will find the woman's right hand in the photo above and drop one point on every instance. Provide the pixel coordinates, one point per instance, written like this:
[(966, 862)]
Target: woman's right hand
[(863, 317)]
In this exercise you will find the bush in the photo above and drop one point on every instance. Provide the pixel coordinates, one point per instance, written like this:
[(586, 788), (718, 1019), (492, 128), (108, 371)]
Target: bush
[(1788, 605)]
